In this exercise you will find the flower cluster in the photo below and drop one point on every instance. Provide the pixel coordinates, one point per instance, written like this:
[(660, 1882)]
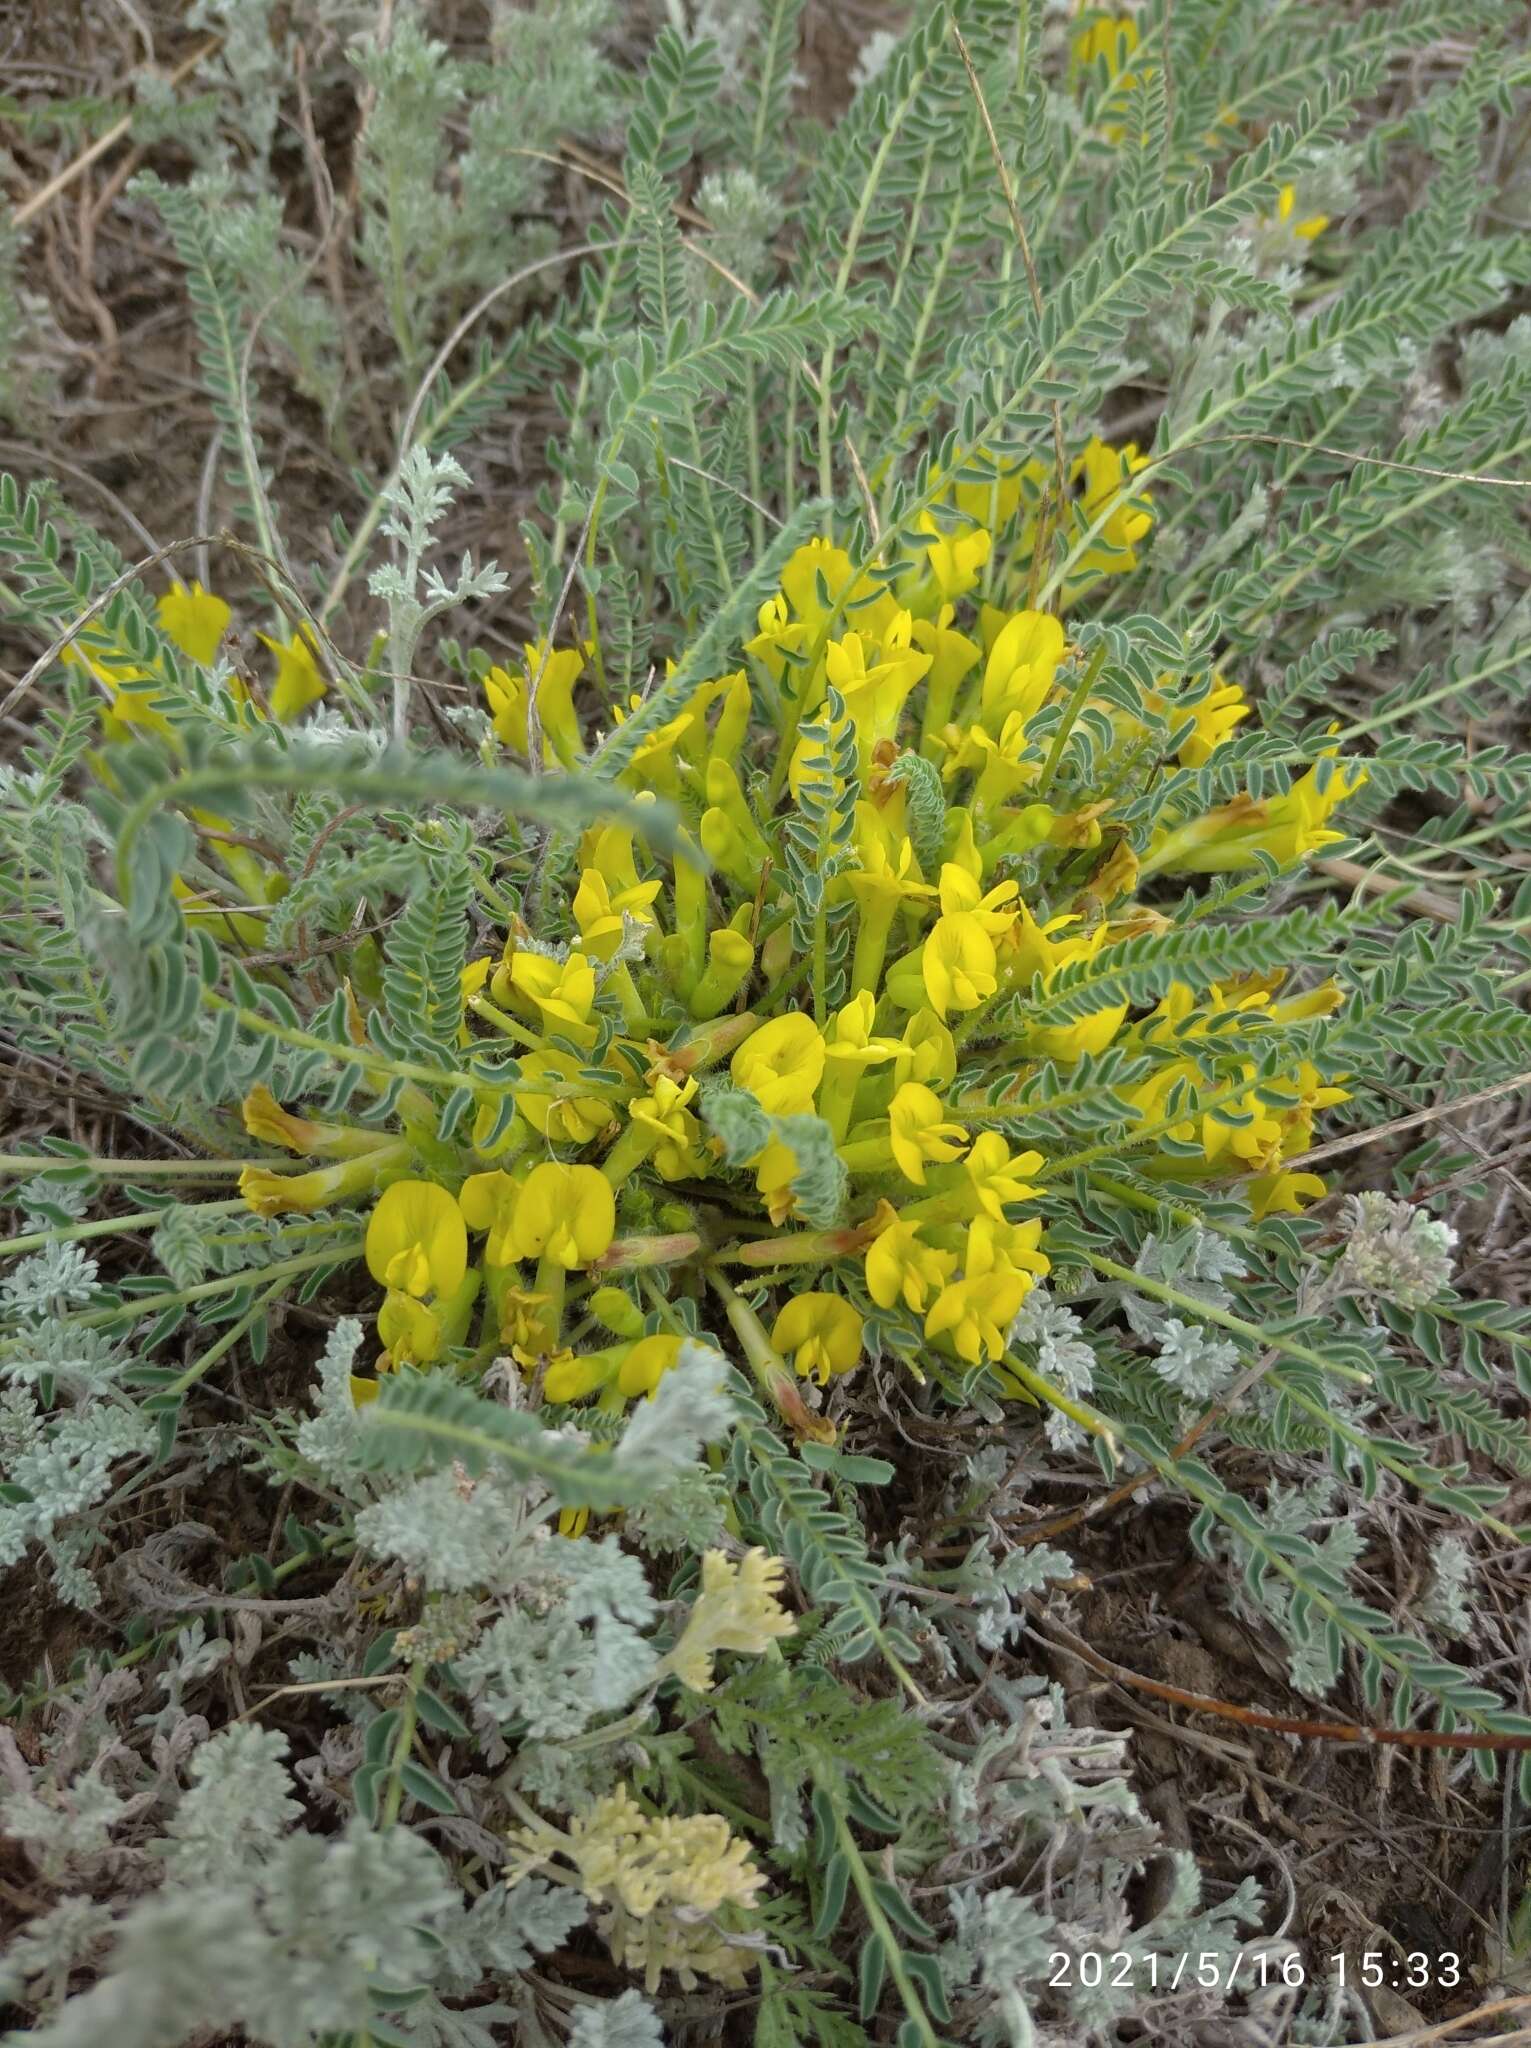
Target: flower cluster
[(882, 916), (660, 1885)]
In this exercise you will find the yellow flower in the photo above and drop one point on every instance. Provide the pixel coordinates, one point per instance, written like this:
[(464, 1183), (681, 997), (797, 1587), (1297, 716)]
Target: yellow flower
[(194, 619), (875, 690), (1306, 230), (563, 1117), (781, 1064), (813, 581), (919, 1132), (128, 706), (1216, 714), (1039, 951), (488, 1203), (739, 1608), (1288, 828), (949, 567), (775, 1180), (997, 1177), (509, 694), (570, 1379), (1022, 666), (900, 1266), (959, 966), (730, 956), (284, 1194), (563, 990), (1282, 1193), (676, 1130), (728, 832), (646, 1364), (416, 1239), (265, 1118), (567, 1213), (928, 1052), (974, 1313), (525, 1324), (851, 1044), (822, 1333), (1113, 37), (952, 657), (298, 681), (410, 1331), (991, 499), (599, 911), (653, 763), (1103, 474), (889, 873)]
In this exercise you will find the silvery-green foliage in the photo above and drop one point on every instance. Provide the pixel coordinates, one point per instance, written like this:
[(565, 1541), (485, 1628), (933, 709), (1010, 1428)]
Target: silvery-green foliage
[(329, 1437), (694, 1404), (264, 1927), (1290, 1514), (53, 1943), (506, 1929), (570, 1646), (1396, 1252), (1196, 1261), (1445, 1602), (450, 1535), (1193, 1358), (51, 1281), (1195, 1362), (191, 1659), (688, 1512), (625, 2022), (1064, 1355), (57, 1466), (63, 1826), (990, 1590), (238, 1805)]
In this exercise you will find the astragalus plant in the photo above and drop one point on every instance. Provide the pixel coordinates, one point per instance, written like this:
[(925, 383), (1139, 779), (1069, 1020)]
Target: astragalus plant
[(649, 1131)]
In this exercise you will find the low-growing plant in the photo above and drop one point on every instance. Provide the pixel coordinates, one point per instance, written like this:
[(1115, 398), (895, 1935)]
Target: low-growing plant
[(875, 964)]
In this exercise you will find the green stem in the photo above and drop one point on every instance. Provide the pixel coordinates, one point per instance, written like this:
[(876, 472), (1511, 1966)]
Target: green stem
[(205, 1290), (1071, 711), (109, 1226), (403, 1743), (230, 1337), (877, 1919), (1207, 1312), (127, 1169)]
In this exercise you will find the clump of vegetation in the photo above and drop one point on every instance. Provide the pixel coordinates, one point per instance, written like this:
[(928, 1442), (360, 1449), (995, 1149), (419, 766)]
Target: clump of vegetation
[(811, 1017)]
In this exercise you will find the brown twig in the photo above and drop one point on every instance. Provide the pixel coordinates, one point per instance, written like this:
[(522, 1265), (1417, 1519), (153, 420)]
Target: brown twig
[(103, 143), (1057, 1636), (1421, 2037), (1354, 1140)]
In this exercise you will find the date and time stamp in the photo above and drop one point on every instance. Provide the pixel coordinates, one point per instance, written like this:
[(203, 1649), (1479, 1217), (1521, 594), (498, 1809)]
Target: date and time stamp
[(1403, 1970)]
